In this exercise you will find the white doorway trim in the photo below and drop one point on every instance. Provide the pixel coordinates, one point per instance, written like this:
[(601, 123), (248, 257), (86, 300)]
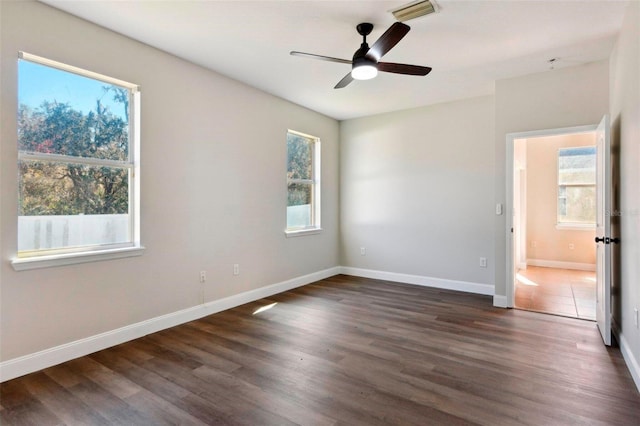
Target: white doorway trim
[(509, 178)]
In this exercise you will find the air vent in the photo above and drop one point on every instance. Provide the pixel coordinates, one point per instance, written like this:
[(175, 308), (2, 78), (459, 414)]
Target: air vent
[(414, 10)]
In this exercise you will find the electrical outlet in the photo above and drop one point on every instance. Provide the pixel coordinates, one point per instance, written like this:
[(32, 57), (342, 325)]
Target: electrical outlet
[(203, 276), (236, 269), (571, 246), (363, 251), (483, 262)]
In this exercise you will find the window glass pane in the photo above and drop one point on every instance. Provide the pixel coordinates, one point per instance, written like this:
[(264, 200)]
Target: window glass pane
[(36, 233), (299, 157), (68, 114), (562, 202), (577, 165), (71, 205), (578, 205), (50, 188), (299, 197)]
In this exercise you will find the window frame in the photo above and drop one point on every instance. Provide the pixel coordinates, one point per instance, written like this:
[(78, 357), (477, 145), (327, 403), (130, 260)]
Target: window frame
[(569, 225), (315, 182), (72, 255)]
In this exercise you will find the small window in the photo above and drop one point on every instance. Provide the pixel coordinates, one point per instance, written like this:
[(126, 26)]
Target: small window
[(577, 186), (77, 160), (303, 183)]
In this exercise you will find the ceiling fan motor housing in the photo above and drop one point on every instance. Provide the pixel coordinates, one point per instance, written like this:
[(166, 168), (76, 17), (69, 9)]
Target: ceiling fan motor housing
[(361, 60), (361, 55)]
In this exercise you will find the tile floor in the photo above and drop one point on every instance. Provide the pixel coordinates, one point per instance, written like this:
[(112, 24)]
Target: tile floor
[(557, 291)]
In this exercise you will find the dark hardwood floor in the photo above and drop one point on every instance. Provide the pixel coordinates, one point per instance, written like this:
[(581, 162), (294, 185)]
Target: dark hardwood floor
[(344, 350)]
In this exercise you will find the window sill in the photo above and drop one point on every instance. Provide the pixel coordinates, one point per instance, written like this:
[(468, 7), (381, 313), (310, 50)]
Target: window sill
[(37, 262), (302, 232), (575, 227)]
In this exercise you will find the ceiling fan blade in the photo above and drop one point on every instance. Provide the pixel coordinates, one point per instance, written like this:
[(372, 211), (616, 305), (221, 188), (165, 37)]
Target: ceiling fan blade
[(322, 58), (390, 38), (345, 81), (403, 68)]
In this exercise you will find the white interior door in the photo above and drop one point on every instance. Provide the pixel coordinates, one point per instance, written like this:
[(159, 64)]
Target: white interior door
[(516, 221), (603, 230)]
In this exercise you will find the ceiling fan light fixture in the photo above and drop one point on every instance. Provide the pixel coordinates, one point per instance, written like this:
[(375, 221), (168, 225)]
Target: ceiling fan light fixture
[(414, 10), (364, 72)]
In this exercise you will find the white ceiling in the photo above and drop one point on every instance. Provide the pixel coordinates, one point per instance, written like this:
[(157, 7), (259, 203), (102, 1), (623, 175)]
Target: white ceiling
[(469, 44)]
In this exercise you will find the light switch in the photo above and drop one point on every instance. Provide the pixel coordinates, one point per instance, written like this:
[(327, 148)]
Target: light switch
[(498, 209)]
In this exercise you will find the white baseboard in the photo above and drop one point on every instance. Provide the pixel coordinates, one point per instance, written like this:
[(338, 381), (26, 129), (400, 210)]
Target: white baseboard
[(632, 363), (500, 301), (466, 286), (562, 265), (522, 265), (49, 357), (630, 360)]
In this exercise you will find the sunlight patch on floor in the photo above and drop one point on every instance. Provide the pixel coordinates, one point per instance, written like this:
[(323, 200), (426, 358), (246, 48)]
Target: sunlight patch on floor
[(525, 280), (264, 308)]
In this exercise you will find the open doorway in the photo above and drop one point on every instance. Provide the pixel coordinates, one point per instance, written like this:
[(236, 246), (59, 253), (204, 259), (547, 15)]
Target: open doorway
[(554, 215)]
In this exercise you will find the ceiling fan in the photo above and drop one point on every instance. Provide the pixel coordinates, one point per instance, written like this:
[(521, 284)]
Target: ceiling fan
[(366, 61)]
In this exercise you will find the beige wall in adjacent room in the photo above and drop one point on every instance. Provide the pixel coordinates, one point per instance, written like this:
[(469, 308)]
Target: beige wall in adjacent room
[(544, 240)]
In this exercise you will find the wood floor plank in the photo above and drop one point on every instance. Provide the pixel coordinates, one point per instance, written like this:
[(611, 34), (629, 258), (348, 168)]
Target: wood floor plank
[(344, 350), (61, 402), (29, 413)]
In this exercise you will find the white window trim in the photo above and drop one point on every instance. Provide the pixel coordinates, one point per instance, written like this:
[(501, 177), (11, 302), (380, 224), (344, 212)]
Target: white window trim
[(573, 226), (82, 72), (95, 253), (315, 180), (302, 232), (49, 261)]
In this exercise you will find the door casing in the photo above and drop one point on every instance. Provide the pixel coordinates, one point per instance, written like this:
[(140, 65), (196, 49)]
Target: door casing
[(509, 207)]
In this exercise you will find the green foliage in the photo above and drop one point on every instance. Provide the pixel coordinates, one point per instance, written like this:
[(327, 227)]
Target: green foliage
[(120, 95), (299, 157), (299, 167), (299, 194), (61, 188)]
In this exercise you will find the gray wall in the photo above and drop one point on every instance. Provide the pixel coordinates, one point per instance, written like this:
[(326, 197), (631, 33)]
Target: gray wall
[(213, 190), (416, 191)]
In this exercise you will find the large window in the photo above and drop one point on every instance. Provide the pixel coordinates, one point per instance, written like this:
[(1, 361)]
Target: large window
[(77, 161), (577, 186), (303, 183)]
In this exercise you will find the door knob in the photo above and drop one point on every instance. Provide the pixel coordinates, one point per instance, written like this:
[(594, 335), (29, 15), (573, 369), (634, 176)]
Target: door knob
[(608, 240)]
